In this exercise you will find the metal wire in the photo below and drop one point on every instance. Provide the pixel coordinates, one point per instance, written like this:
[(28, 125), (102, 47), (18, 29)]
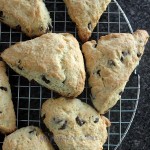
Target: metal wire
[(29, 96)]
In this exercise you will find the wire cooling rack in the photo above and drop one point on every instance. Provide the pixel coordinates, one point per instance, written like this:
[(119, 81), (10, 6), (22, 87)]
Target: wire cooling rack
[(29, 96)]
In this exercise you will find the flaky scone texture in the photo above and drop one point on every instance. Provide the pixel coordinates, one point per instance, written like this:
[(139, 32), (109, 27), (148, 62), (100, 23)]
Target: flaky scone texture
[(74, 124), (27, 138), (7, 113), (86, 14), (29, 16), (53, 60), (110, 63)]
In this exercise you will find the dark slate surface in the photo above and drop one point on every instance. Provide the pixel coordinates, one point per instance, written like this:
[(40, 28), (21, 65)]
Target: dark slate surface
[(138, 137)]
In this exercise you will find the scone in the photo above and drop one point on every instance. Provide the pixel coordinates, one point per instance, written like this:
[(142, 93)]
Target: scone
[(86, 14), (110, 63), (30, 16), (27, 138), (53, 60), (7, 114), (74, 124)]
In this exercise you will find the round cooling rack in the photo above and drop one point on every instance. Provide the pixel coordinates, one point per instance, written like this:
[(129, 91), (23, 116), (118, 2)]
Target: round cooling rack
[(29, 96)]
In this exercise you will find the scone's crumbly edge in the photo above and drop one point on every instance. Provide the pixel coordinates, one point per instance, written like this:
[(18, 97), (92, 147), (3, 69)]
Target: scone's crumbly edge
[(31, 17), (74, 124), (86, 14), (53, 60), (7, 113), (110, 63), (27, 138)]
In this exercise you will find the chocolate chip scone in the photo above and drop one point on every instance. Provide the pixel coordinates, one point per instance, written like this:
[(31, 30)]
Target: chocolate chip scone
[(86, 14), (27, 138), (7, 114), (74, 124), (110, 63), (30, 16), (53, 60)]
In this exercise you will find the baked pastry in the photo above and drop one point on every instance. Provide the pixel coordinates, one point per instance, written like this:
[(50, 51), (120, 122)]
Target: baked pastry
[(27, 138), (86, 14), (53, 60), (32, 16), (7, 114), (110, 63), (74, 124)]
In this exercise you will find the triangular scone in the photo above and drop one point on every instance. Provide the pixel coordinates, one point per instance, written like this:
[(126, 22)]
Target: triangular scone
[(27, 138), (53, 60), (110, 63), (31, 16), (86, 14), (74, 124), (7, 114)]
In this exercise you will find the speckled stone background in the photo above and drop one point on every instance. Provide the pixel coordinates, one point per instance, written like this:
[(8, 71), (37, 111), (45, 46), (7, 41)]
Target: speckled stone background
[(138, 137)]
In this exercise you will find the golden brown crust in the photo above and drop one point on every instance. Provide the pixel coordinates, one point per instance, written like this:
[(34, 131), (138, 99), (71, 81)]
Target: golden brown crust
[(31, 16), (86, 14), (74, 124), (110, 63), (7, 114), (53, 60)]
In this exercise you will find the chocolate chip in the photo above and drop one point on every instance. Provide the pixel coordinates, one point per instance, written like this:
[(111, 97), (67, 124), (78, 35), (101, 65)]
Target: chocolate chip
[(57, 121), (32, 131), (90, 26), (18, 28), (125, 53), (139, 54), (49, 28), (121, 59), (43, 117), (3, 88), (96, 120), (64, 81), (95, 45), (79, 121), (45, 80), (111, 63), (99, 72), (63, 126), (41, 28), (0, 112), (19, 66), (1, 15), (61, 122), (120, 93)]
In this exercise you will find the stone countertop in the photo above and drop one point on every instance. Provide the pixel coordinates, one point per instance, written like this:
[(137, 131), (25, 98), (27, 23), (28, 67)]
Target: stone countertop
[(138, 137)]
